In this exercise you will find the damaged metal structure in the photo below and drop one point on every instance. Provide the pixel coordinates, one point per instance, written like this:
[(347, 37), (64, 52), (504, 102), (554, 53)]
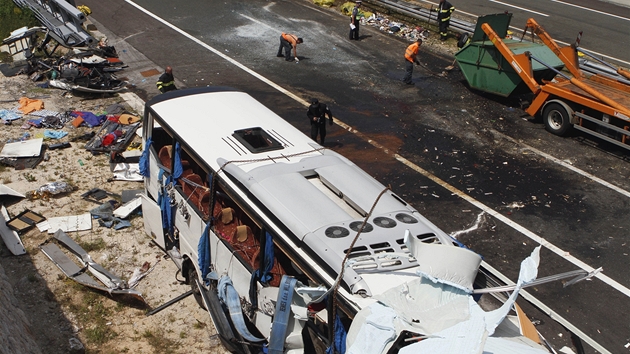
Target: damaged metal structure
[(63, 20), (88, 67), (113, 284)]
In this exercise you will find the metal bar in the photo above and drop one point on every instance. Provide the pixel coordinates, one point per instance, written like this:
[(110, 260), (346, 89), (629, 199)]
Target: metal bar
[(169, 303), (602, 123), (548, 311), (602, 136)]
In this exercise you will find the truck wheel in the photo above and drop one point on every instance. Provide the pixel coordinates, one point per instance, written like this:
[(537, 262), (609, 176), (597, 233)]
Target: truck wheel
[(556, 118), (192, 278)]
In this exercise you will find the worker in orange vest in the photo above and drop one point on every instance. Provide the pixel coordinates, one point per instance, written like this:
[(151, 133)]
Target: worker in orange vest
[(410, 59), (289, 41)]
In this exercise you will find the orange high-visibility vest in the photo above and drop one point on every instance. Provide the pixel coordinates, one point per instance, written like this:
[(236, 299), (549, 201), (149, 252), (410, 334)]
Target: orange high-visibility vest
[(291, 38), (412, 51)]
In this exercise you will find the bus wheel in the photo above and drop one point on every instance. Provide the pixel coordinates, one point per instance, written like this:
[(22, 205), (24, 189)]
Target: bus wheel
[(192, 278), (556, 118)]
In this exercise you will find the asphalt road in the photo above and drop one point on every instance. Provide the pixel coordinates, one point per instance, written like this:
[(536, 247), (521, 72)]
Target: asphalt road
[(605, 25), (464, 154)]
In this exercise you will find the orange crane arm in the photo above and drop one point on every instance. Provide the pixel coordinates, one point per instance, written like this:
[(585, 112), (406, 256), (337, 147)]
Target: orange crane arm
[(520, 62), (568, 55)]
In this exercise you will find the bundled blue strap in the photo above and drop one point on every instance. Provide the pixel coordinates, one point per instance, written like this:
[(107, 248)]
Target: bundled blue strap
[(339, 340), (177, 164), (264, 276), (144, 162), (281, 315), (229, 296), (164, 201), (203, 249)]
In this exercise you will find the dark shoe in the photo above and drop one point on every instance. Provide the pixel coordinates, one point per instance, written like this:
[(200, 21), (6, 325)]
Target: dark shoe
[(408, 82), (279, 55)]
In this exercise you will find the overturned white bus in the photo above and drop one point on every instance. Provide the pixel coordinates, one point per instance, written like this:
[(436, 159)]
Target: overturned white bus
[(294, 249)]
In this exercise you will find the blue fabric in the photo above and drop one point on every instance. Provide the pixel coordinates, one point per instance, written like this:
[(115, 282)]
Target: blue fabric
[(203, 249), (164, 201), (177, 165), (9, 115), (54, 134), (229, 296), (268, 257), (264, 276), (281, 316), (89, 118), (144, 162), (339, 342)]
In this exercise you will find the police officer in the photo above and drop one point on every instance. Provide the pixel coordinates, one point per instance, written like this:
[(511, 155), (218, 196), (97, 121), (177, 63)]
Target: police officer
[(316, 114), (287, 42), (166, 82), (354, 21), (444, 11)]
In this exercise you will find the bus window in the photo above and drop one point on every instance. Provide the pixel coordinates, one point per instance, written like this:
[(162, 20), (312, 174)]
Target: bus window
[(194, 185)]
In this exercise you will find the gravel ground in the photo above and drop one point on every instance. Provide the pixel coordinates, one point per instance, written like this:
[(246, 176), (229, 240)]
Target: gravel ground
[(61, 311)]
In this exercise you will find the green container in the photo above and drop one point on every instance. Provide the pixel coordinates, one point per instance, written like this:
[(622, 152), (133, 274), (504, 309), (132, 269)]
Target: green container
[(487, 70)]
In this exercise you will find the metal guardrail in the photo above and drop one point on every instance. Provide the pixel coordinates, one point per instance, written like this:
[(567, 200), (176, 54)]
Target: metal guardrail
[(64, 21), (462, 26)]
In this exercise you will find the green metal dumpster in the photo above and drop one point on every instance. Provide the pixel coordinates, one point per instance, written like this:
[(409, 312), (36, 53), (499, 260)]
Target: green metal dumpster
[(487, 70)]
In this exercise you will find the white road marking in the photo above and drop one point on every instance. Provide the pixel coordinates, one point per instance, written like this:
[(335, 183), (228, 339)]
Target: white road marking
[(563, 254), (566, 165), (596, 11), (261, 23), (520, 30), (520, 8)]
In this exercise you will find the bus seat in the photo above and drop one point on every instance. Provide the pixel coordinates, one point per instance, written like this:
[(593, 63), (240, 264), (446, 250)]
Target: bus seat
[(164, 155)]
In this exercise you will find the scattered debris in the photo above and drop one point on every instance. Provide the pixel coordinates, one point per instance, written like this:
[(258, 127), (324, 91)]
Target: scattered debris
[(48, 190), (6, 191), (24, 221), (126, 209), (67, 223), (480, 219), (96, 195), (10, 237), (26, 148), (113, 284)]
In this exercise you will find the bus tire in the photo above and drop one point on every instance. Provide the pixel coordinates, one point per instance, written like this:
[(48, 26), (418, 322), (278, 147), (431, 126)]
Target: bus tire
[(192, 279), (556, 117)]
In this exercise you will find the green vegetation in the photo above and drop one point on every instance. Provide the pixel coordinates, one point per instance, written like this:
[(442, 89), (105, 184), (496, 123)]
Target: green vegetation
[(14, 17), (95, 245), (160, 344), (94, 315)]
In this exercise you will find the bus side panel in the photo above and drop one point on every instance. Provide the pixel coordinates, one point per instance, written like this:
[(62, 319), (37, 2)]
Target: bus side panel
[(189, 230), (152, 217), (225, 262)]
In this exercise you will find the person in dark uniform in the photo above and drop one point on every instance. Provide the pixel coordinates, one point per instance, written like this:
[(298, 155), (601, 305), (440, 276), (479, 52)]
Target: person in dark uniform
[(354, 21), (316, 114), (444, 11), (166, 82)]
